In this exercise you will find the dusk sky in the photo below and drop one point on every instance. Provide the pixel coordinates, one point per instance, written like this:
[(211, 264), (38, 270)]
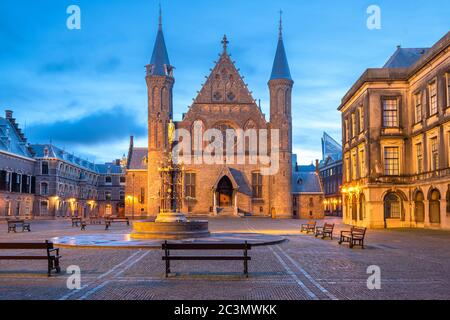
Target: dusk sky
[(85, 90)]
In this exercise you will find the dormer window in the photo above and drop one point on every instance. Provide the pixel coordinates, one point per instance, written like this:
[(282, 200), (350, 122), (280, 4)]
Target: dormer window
[(108, 180)]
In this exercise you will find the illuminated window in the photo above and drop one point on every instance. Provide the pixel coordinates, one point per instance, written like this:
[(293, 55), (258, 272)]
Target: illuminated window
[(354, 167), (418, 107), (142, 196), (108, 195), (391, 161), (392, 206), (433, 98), (390, 113)]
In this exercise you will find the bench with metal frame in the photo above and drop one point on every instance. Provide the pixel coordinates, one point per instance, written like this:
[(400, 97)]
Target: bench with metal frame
[(167, 247), (52, 254), (309, 227), (325, 231), (12, 225), (354, 237)]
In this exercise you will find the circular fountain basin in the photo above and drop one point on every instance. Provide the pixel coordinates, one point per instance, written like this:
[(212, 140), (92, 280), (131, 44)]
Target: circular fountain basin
[(148, 229), (124, 241)]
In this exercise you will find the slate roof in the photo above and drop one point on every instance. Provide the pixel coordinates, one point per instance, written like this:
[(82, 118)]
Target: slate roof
[(405, 57), (280, 69), (137, 160), (305, 182), (58, 153), (10, 140), (306, 168)]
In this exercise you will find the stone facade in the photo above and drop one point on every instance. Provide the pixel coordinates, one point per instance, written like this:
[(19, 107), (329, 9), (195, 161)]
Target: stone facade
[(224, 102), (396, 138)]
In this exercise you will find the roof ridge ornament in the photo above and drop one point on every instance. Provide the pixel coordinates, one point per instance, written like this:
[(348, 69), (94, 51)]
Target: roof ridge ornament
[(280, 34), (225, 43), (160, 17)]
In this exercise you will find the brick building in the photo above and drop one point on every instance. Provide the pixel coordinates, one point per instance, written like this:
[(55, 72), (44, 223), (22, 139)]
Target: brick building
[(307, 193), (224, 102), (17, 167), (44, 181), (396, 141)]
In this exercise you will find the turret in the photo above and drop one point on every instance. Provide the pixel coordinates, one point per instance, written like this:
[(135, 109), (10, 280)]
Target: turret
[(280, 86), (160, 83)]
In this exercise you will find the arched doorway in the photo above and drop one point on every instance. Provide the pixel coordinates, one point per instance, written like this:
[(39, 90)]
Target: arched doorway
[(435, 211), (225, 193), (419, 207), (392, 207)]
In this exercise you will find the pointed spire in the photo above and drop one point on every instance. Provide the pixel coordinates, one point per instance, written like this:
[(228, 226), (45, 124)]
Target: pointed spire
[(280, 68), (160, 64)]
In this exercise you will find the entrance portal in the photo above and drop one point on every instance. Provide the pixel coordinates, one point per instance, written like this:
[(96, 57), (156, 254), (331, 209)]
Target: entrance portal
[(225, 192)]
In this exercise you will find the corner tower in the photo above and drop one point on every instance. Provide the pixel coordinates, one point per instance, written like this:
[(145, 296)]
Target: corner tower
[(280, 86), (160, 83)]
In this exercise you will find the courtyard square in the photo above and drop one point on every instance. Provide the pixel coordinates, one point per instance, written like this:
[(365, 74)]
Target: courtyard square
[(414, 264)]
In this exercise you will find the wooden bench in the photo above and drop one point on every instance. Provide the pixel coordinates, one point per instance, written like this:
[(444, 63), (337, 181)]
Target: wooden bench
[(52, 254), (76, 221), (95, 220), (110, 220), (325, 231), (309, 227), (354, 237), (12, 225), (167, 247)]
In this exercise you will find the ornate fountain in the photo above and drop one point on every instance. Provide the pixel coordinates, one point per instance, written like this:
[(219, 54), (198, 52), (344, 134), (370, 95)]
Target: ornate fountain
[(170, 223)]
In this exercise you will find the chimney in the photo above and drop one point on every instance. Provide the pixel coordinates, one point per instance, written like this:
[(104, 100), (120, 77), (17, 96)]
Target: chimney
[(131, 142), (8, 114), (317, 166)]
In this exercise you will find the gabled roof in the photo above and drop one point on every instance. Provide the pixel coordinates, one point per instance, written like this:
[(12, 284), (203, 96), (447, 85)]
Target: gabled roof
[(11, 141), (405, 57), (305, 182), (138, 160), (108, 168), (330, 148), (224, 84)]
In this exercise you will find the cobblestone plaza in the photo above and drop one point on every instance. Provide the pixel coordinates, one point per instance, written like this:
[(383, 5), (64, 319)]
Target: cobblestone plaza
[(414, 264)]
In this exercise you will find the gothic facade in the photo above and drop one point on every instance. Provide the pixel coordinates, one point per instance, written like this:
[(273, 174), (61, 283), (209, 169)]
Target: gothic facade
[(224, 102)]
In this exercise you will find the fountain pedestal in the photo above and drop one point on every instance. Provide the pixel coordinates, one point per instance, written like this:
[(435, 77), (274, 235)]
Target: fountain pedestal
[(169, 230)]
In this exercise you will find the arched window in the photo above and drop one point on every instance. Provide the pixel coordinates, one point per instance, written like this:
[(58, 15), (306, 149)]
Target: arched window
[(392, 206), (419, 208), (435, 212)]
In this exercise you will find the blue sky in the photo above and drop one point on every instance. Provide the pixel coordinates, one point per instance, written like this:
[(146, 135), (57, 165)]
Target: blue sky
[(85, 89)]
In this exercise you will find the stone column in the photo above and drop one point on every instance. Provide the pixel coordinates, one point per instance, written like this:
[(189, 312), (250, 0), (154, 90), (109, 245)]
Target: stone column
[(214, 203), (235, 203)]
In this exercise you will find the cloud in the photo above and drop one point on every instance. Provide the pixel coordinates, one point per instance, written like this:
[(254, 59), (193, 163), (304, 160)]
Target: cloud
[(100, 127)]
